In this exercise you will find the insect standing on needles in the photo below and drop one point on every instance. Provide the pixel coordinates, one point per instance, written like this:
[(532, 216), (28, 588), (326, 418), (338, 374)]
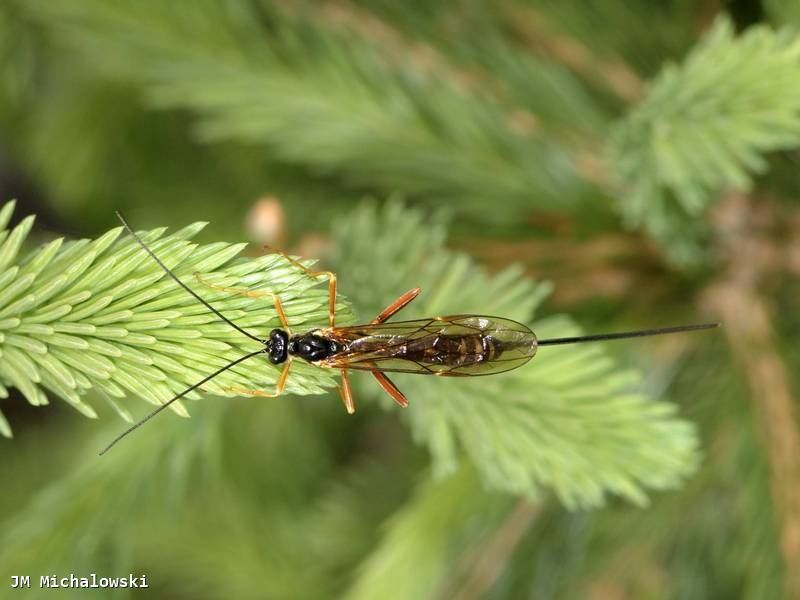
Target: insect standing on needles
[(450, 346)]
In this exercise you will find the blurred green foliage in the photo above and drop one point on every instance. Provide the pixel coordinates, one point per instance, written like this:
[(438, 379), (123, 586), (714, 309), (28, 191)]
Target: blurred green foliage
[(518, 131)]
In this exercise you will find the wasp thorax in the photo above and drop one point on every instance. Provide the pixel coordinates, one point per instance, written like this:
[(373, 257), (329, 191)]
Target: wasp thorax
[(277, 346), (312, 347)]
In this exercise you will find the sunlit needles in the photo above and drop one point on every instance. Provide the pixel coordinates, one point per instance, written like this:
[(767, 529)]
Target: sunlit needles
[(448, 346)]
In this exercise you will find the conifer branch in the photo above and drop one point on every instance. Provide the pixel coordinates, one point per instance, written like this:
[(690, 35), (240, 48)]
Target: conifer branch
[(571, 420), (705, 126), (101, 316), (465, 147)]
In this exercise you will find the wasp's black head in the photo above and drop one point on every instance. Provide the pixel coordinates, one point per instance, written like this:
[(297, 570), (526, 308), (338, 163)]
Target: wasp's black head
[(277, 346), (312, 347)]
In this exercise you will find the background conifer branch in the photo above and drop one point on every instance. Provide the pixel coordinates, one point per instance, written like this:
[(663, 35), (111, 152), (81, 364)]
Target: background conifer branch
[(705, 126), (570, 406)]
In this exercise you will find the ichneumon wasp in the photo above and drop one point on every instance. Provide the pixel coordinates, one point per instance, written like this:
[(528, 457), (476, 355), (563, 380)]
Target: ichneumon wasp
[(449, 346)]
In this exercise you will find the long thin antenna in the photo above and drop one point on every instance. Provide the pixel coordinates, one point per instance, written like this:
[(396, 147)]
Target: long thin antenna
[(625, 334), (183, 285), (152, 414)]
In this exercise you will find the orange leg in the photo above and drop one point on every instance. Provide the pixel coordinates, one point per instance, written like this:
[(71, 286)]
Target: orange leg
[(251, 294), (278, 388), (391, 388), (396, 306), (347, 394), (331, 281), (386, 383)]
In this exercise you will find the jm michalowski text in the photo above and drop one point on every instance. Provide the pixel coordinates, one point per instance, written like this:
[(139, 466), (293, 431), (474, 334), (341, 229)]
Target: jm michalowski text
[(74, 581)]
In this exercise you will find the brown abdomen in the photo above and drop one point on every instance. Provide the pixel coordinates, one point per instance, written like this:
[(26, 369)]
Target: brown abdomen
[(452, 350)]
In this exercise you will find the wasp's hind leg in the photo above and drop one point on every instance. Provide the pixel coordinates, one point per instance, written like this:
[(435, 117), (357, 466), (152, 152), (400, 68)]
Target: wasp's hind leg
[(390, 388), (250, 294), (278, 387)]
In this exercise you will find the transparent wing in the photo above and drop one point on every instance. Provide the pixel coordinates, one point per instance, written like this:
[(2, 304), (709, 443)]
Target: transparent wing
[(452, 346)]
